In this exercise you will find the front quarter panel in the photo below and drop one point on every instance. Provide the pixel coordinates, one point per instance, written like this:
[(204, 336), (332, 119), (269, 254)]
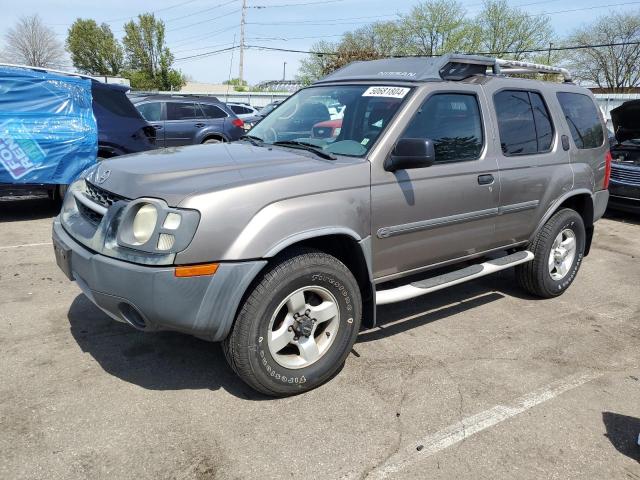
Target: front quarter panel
[(259, 220)]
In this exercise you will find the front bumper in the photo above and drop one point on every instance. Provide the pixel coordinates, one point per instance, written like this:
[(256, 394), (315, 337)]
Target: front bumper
[(153, 298), (624, 196)]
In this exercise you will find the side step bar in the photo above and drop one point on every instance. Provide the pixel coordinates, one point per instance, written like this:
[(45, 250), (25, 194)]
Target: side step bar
[(415, 289)]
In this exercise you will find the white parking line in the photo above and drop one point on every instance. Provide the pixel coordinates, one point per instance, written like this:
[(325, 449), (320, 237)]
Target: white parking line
[(8, 247), (469, 426)]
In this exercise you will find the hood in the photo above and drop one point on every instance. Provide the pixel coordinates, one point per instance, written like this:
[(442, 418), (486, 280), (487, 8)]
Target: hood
[(626, 121), (172, 174)]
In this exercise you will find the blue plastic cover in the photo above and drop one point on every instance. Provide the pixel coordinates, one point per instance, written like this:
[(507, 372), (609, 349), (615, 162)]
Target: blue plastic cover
[(48, 133)]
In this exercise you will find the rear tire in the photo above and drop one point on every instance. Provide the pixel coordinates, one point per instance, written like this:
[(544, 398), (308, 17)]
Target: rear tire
[(558, 248), (306, 297), (212, 140)]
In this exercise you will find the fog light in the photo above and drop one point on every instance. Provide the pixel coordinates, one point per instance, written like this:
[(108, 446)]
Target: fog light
[(165, 241)]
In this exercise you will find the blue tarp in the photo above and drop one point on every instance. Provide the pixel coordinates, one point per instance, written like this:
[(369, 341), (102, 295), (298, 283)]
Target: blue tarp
[(48, 133)]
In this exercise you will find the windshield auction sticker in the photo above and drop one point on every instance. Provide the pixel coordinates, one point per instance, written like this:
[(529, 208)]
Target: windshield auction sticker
[(391, 92), (20, 153)]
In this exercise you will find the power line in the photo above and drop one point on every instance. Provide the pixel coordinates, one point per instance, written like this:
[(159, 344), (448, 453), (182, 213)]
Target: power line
[(322, 2), (233, 12), (505, 52), (201, 11), (206, 54)]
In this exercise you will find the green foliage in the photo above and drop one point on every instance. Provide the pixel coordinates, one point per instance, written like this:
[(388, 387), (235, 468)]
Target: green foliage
[(434, 27), (236, 82), (94, 49), (614, 67), (148, 59)]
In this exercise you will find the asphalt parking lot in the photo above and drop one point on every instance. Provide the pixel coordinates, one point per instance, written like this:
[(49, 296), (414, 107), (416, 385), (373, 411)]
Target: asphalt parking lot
[(479, 381)]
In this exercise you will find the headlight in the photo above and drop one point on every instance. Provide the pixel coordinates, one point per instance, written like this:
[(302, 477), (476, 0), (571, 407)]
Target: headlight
[(144, 223), (150, 225)]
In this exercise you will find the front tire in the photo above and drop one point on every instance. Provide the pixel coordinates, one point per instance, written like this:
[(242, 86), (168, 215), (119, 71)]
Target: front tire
[(297, 325), (558, 249)]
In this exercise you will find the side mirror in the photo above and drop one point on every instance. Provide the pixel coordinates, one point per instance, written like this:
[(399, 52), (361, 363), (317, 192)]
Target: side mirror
[(411, 153)]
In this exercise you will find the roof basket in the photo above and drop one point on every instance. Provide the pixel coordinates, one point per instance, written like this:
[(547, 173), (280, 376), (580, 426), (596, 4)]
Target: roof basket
[(514, 66), (459, 67)]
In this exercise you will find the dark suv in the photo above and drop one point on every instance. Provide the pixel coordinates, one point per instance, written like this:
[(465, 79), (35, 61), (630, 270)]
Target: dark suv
[(625, 150), (181, 120)]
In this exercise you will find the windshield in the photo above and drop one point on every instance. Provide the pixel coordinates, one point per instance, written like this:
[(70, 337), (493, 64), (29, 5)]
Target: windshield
[(342, 120)]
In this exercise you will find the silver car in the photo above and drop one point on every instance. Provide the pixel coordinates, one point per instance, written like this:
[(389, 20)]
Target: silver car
[(442, 170)]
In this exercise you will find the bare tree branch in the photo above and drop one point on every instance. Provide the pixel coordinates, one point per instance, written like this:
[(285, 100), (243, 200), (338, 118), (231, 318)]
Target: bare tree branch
[(31, 42)]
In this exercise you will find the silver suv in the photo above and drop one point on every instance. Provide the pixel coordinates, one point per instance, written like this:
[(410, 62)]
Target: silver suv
[(439, 171)]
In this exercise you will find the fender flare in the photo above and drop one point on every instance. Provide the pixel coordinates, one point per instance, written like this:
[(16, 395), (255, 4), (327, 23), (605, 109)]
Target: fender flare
[(309, 234), (554, 207)]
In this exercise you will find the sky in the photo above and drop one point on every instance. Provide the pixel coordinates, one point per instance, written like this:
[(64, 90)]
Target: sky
[(199, 26)]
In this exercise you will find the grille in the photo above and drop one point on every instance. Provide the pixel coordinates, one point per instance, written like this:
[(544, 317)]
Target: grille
[(626, 175), (101, 196), (90, 215)]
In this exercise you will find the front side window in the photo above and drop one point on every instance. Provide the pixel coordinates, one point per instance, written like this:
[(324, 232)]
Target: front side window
[(524, 122), (583, 119), (182, 111), (211, 111), (152, 112), (365, 111), (453, 122)]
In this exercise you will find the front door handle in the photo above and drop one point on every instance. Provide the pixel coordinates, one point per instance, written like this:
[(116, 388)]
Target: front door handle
[(486, 179), (199, 125), (157, 127)]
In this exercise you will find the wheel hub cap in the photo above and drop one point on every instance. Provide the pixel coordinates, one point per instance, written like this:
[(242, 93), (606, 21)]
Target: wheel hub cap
[(563, 252), (303, 327)]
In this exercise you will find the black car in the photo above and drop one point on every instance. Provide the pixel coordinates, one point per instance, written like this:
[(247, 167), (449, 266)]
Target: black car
[(181, 120), (121, 128), (624, 187)]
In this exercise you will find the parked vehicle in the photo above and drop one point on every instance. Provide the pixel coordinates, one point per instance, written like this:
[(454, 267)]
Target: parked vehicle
[(282, 245), (242, 110), (252, 121), (625, 151), (54, 124), (181, 120)]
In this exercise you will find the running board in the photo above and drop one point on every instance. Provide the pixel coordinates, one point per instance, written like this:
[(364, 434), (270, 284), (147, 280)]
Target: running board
[(415, 289)]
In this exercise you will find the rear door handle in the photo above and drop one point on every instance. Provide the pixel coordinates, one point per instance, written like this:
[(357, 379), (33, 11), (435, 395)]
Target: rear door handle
[(199, 125), (486, 179)]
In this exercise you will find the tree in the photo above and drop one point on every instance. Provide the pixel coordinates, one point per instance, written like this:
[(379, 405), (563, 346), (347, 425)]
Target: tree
[(316, 65), (94, 49), (31, 42), (438, 27), (502, 28), (614, 67), (148, 58)]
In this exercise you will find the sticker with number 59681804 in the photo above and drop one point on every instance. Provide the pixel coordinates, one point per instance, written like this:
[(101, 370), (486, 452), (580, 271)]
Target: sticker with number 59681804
[(392, 92)]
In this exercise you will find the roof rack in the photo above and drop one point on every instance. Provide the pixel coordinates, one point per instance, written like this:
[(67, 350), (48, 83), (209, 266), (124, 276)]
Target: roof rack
[(46, 70), (515, 66)]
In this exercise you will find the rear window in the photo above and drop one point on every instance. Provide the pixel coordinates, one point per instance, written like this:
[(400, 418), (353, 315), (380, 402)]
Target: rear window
[(237, 109), (114, 101), (182, 111), (583, 119), (524, 123)]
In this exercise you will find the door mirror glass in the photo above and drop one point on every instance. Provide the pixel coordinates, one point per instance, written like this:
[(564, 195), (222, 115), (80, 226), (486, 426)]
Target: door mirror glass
[(411, 153)]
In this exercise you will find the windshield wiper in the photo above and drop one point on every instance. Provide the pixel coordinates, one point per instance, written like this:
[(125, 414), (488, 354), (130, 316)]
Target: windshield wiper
[(253, 140), (306, 146)]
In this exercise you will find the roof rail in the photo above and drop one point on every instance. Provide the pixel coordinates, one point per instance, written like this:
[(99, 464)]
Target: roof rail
[(516, 66), (46, 70)]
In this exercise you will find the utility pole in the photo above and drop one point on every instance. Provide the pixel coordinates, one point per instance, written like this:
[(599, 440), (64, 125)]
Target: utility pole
[(284, 71), (242, 22)]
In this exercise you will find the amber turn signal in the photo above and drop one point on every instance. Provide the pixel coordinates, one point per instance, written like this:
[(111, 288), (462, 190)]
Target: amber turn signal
[(197, 270)]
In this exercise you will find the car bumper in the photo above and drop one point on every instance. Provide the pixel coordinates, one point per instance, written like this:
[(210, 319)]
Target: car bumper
[(624, 197), (153, 298)]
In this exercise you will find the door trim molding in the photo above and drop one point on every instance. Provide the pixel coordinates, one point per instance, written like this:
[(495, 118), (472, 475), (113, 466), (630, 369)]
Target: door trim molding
[(392, 231)]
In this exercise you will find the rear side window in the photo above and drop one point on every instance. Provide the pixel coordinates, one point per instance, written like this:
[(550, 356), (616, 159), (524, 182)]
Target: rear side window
[(182, 111), (152, 112), (452, 121), (583, 119), (524, 123), (211, 111), (237, 109)]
